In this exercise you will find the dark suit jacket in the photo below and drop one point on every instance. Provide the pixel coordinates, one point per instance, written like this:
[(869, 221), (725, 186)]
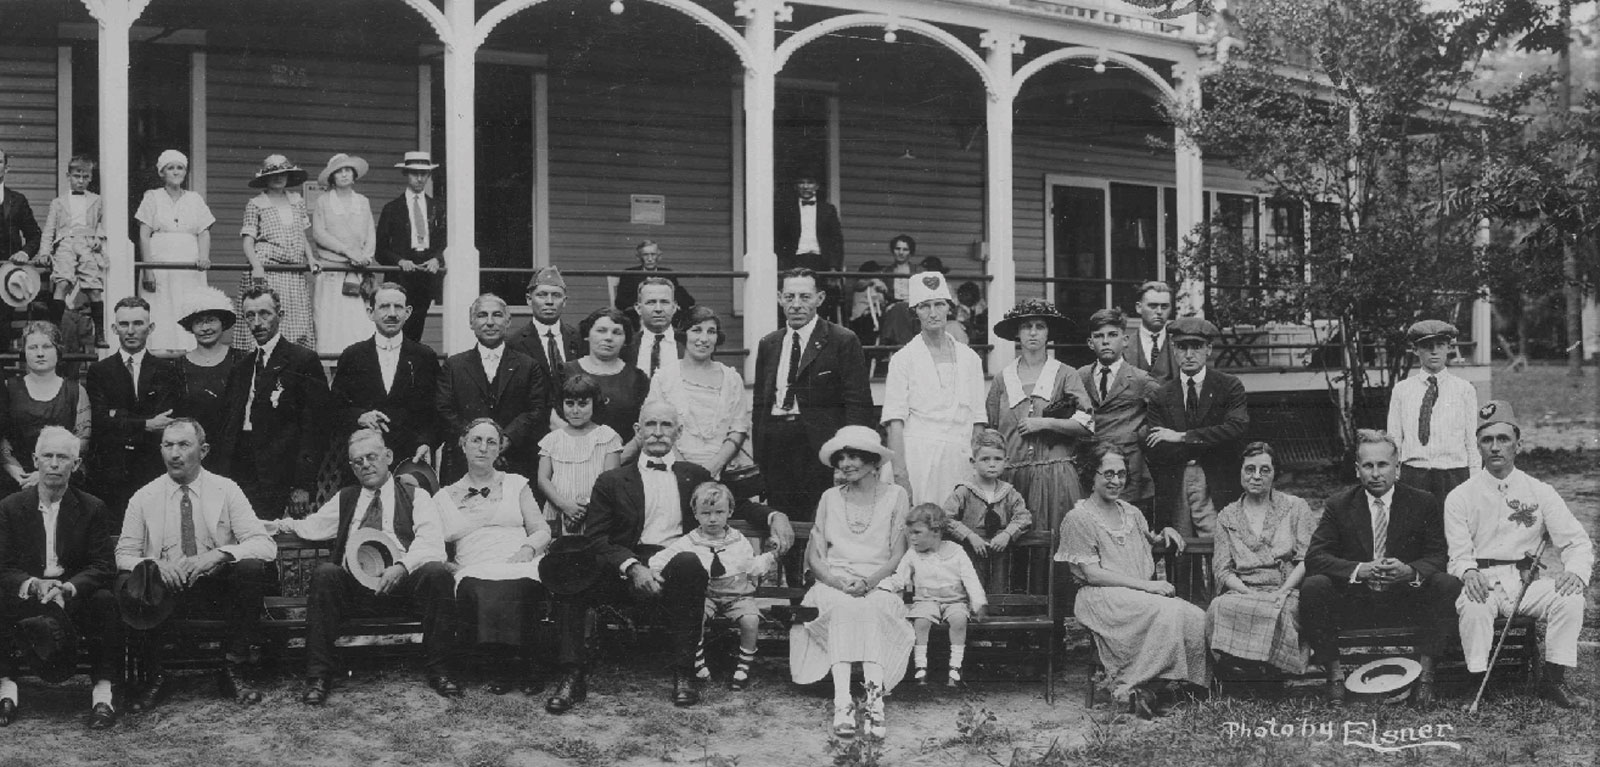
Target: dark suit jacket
[(628, 290), (1120, 418), (630, 350), (288, 435), (831, 388), (1213, 440), (786, 231), (394, 242), (19, 230), (83, 542), (518, 400), (358, 388), (122, 454), (529, 342), (1343, 538), (1165, 366), (615, 515)]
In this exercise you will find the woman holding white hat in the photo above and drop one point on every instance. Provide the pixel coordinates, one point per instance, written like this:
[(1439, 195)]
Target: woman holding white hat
[(345, 235), (203, 373), (274, 232), (933, 399), (856, 541), (174, 228)]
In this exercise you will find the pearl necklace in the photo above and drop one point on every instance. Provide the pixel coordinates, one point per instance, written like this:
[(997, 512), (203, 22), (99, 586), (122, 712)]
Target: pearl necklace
[(857, 521)]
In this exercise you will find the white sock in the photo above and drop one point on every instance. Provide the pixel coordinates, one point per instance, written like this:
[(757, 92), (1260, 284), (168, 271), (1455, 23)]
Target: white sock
[(102, 693), (841, 685), (8, 689), (958, 653), (920, 654)]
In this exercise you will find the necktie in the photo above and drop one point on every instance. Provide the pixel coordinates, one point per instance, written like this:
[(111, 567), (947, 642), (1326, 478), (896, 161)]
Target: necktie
[(552, 350), (186, 510), (717, 568), (419, 222), (1380, 528), (991, 521), (474, 491), (133, 373), (1105, 373), (1425, 420), (1192, 407), (657, 465), (374, 515), (794, 370), (1155, 349), (655, 353)]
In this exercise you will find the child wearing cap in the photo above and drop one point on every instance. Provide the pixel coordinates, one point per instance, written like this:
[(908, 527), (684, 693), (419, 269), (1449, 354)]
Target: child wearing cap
[(1431, 415), (75, 235)]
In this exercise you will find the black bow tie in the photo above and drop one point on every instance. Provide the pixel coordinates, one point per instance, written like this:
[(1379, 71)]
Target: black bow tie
[(80, 193), (807, 203), (657, 465), (472, 491)]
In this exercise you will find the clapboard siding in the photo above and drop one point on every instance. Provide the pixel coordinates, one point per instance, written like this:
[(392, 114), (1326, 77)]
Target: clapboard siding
[(28, 123), (359, 107), (610, 139)]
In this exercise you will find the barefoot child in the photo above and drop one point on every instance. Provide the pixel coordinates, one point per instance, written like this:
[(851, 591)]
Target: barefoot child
[(731, 562), (75, 235), (571, 457), (986, 512), (945, 588)]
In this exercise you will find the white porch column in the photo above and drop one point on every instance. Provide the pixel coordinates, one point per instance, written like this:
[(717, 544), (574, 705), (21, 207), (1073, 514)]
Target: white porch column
[(1191, 191), (116, 18), (760, 89), (460, 167), (1002, 266)]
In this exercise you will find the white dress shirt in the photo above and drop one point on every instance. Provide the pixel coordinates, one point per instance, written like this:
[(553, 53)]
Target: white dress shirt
[(52, 563), (264, 352), (669, 350), (388, 358), (548, 332), (1452, 429), (490, 359), (663, 508), (1486, 518), (1116, 369), (135, 363), (153, 528), (808, 229), (1199, 380), (419, 235), (1372, 511), (784, 345), (427, 544), (1146, 338), (78, 207)]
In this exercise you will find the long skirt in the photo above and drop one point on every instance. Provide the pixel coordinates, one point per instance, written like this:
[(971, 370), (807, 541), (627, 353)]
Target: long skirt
[(936, 460), (173, 287), (1257, 627), (341, 320), (501, 611), (869, 629), (1141, 637)]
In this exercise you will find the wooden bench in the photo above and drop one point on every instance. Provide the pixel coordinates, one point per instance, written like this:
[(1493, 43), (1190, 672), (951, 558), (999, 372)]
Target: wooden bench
[(1021, 629)]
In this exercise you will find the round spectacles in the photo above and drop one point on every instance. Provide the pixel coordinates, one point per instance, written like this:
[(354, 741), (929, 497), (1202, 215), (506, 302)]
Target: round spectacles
[(1111, 475)]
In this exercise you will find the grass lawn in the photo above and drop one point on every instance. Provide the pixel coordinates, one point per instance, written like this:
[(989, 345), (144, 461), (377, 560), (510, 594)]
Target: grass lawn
[(1557, 411)]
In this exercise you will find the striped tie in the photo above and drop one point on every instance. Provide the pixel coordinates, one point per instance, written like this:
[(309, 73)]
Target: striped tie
[(1380, 528)]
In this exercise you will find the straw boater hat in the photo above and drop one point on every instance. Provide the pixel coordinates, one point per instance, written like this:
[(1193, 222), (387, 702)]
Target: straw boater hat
[(207, 300), (276, 165), (863, 438), (417, 161), (19, 284), (1385, 680), (342, 160), (1032, 309), (929, 286), (368, 553)]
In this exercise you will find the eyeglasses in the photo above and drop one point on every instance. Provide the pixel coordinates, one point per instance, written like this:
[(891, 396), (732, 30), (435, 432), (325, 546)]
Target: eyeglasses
[(1112, 475), (1258, 471), (366, 460)]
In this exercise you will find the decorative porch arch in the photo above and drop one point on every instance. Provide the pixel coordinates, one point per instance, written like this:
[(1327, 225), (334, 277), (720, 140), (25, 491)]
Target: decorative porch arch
[(706, 18), (1032, 68), (837, 23), (434, 17)]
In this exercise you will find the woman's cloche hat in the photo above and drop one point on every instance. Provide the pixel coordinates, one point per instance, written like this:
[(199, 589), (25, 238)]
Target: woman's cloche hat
[(342, 160), (274, 165), (929, 286), (207, 300), (862, 438), (1032, 309)]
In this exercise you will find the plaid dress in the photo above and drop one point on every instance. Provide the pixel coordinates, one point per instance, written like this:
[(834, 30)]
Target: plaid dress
[(279, 240), (1257, 626)]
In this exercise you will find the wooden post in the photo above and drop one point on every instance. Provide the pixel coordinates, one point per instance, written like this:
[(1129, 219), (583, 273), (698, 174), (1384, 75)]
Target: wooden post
[(461, 249), (760, 94), (115, 18), (1001, 266)]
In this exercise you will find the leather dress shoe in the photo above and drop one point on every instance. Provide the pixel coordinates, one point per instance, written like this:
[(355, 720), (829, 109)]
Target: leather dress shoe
[(232, 684), (1142, 703), (102, 717), (684, 693), (8, 712), (151, 696), (1559, 693), (316, 693), (570, 691), (445, 686)]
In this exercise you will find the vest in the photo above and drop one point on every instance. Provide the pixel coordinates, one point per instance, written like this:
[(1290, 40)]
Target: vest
[(402, 516)]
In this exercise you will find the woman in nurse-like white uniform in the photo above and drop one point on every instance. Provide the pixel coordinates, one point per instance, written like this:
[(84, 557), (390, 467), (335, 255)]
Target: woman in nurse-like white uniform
[(933, 399)]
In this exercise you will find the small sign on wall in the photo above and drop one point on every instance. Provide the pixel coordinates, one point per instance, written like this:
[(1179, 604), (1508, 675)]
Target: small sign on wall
[(647, 209)]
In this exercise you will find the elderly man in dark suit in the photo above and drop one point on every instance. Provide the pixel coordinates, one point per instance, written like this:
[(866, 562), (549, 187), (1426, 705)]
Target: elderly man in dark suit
[(1150, 348), (811, 379), (492, 380), (55, 548), (279, 430), (411, 235), (387, 383), (1193, 435), (1119, 396), (1379, 553), (546, 338), (635, 511), (131, 397)]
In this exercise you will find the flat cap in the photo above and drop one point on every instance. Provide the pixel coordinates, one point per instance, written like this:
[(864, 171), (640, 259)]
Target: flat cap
[(1427, 330), (1192, 327)]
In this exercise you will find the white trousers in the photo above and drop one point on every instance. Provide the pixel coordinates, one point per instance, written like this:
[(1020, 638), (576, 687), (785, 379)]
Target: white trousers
[(1563, 617)]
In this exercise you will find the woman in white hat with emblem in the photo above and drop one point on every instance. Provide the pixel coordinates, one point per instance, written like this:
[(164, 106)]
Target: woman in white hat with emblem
[(933, 399), (274, 232), (345, 235), (174, 228)]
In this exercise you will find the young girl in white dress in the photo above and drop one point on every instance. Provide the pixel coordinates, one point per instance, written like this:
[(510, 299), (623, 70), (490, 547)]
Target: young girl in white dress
[(573, 456)]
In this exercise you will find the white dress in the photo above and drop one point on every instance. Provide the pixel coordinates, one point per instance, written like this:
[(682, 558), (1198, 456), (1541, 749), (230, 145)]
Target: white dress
[(174, 239), (341, 320), (576, 461), (939, 405), (872, 628), (487, 531)]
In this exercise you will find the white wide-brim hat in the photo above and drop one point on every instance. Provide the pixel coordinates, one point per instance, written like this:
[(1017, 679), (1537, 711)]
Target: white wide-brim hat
[(417, 161), (342, 160), (19, 284), (368, 553), (863, 438), (1387, 680), (929, 286)]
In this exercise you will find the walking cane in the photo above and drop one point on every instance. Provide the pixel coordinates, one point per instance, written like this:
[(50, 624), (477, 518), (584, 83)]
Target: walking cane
[(1527, 579)]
